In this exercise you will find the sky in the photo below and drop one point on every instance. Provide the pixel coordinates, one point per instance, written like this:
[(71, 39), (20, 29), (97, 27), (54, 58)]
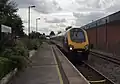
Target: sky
[(56, 15)]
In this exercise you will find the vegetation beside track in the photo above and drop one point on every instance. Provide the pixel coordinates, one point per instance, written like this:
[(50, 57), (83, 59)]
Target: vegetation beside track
[(14, 53), (15, 45)]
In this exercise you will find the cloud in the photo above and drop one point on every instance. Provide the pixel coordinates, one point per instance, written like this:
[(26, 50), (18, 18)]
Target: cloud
[(80, 15), (25, 21), (53, 26), (62, 25), (94, 9), (53, 6), (55, 20), (25, 3), (65, 12), (48, 6), (42, 6), (115, 7), (96, 4), (82, 19), (44, 29)]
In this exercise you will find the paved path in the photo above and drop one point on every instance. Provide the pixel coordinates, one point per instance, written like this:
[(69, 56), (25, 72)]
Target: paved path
[(43, 70)]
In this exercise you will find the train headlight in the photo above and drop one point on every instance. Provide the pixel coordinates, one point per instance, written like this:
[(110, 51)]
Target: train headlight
[(71, 47), (86, 47)]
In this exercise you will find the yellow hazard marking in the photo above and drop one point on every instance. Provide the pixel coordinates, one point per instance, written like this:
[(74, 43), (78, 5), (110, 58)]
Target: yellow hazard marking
[(58, 70), (99, 81)]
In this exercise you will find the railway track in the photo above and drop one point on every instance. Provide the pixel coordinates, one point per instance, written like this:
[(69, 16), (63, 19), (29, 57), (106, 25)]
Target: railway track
[(92, 75), (105, 57)]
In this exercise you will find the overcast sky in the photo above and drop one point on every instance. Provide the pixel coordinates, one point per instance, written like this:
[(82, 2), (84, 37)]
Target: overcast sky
[(57, 14)]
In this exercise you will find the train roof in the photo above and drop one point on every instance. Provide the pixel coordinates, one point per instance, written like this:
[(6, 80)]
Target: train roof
[(64, 32), (75, 27)]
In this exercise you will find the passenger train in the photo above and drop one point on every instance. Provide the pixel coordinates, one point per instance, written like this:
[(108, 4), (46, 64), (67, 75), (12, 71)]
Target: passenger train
[(74, 40)]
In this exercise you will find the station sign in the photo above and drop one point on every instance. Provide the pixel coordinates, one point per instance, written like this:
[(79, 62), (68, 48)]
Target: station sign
[(6, 29)]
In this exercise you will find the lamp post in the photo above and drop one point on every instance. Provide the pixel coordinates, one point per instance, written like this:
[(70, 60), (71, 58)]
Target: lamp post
[(36, 23), (29, 18)]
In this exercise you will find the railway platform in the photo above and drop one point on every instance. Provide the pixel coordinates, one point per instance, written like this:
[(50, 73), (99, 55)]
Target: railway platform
[(49, 66)]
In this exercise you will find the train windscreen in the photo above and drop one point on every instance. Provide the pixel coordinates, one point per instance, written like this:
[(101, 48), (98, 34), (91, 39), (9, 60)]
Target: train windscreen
[(77, 35)]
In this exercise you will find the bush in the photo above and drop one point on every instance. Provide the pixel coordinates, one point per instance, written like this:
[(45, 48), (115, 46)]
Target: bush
[(35, 43), (32, 43), (6, 66), (17, 55)]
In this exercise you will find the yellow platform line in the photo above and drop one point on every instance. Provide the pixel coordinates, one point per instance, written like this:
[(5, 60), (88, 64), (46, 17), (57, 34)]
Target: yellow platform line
[(99, 81), (74, 67), (58, 70)]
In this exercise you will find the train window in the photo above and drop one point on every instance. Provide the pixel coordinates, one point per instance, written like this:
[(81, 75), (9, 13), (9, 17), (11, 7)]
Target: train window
[(77, 35)]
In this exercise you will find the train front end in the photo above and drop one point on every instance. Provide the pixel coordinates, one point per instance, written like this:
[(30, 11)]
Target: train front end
[(78, 42)]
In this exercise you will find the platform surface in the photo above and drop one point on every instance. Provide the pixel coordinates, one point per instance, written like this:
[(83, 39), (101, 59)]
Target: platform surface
[(73, 75), (45, 69), (42, 71)]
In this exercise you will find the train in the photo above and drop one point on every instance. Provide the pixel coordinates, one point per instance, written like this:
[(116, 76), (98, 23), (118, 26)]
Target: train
[(74, 40)]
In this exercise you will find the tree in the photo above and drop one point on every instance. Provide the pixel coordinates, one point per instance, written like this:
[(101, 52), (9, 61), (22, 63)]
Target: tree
[(43, 34), (35, 35), (7, 8), (17, 25), (52, 33), (59, 32), (8, 17)]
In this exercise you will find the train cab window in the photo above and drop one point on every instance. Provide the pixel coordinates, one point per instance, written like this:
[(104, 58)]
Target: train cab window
[(77, 35)]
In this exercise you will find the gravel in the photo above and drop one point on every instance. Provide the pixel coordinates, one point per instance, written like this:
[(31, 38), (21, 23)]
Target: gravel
[(109, 69)]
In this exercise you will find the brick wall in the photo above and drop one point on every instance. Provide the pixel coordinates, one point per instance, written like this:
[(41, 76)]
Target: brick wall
[(106, 39)]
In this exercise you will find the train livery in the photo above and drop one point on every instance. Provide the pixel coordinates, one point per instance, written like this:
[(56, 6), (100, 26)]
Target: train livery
[(74, 40)]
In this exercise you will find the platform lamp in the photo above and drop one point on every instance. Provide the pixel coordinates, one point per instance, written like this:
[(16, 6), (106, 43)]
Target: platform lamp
[(29, 18), (37, 23)]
